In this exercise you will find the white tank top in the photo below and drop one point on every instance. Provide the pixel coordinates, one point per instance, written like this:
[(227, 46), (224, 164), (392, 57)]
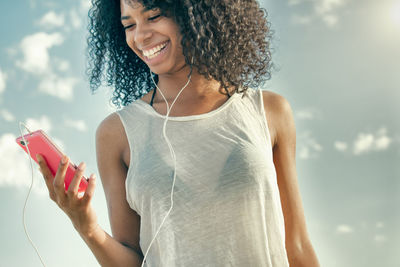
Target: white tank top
[(227, 209)]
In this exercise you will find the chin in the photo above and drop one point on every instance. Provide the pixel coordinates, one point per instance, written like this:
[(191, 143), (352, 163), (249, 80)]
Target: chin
[(167, 68)]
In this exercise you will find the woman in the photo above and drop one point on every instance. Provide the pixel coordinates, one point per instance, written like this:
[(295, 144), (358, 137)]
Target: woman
[(227, 195)]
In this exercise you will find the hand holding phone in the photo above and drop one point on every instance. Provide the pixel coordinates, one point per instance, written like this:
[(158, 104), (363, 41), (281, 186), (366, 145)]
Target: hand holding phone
[(75, 201), (39, 143)]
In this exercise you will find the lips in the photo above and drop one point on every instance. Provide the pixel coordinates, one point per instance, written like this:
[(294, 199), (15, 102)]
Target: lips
[(151, 52), (158, 55)]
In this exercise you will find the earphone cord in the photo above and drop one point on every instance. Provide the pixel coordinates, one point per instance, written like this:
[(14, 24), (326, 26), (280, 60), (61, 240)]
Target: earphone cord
[(29, 192), (172, 154)]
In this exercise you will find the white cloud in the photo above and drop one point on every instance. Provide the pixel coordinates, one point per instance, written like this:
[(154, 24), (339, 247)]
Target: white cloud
[(43, 123), (15, 163), (294, 2), (76, 20), (305, 114), (363, 143), (304, 152), (15, 167), (367, 142), (341, 146), (382, 142), (323, 7), (52, 20), (79, 125), (8, 116), (344, 229), (308, 114), (330, 20), (316, 146), (326, 10), (308, 146), (60, 145), (61, 64), (36, 60), (57, 86), (85, 5), (35, 52), (3, 78)]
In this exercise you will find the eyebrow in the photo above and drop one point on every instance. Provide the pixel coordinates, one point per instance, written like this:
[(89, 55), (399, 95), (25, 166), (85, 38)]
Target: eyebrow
[(144, 10), (125, 17)]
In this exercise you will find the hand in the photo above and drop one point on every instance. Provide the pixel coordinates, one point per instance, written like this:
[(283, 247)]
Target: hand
[(78, 208)]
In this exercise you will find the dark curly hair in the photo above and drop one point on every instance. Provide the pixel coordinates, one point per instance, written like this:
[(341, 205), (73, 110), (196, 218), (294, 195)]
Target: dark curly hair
[(229, 41)]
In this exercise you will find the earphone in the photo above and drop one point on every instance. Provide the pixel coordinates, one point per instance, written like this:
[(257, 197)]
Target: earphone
[(166, 139), (29, 192), (172, 154)]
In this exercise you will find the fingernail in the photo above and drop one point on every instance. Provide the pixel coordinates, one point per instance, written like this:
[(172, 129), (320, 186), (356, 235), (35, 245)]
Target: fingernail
[(81, 165), (64, 159), (38, 157)]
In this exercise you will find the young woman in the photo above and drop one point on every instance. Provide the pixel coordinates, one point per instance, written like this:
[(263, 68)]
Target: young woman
[(198, 168)]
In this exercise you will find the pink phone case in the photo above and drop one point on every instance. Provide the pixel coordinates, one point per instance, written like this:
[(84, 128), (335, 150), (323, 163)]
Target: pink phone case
[(39, 143)]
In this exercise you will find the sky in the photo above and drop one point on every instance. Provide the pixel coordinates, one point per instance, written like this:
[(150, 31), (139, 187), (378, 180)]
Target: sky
[(337, 63)]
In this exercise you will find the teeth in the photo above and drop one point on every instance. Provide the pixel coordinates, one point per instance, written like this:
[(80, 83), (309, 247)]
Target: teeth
[(154, 51)]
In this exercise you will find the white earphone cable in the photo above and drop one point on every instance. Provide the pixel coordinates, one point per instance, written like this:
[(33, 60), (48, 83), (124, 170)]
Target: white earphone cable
[(29, 192), (169, 146), (172, 154)]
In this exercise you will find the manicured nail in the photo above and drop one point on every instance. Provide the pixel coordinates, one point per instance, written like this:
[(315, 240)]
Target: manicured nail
[(38, 158), (64, 159), (81, 166)]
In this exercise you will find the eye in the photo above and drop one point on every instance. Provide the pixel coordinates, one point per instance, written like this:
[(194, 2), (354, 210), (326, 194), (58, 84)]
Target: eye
[(155, 17), (129, 26), (133, 25)]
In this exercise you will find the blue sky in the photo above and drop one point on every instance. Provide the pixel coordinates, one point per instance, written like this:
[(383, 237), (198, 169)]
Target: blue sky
[(337, 64)]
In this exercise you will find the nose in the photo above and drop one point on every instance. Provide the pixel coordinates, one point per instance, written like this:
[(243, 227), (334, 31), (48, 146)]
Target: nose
[(142, 33)]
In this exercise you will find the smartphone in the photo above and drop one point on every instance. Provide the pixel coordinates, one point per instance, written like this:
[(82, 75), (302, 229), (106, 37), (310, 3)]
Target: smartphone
[(39, 143)]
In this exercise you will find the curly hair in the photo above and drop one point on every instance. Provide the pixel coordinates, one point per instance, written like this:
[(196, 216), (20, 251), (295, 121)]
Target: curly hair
[(226, 40)]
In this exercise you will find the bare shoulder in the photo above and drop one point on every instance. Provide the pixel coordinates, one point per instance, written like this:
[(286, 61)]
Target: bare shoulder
[(110, 126), (111, 134), (275, 102), (278, 114), (112, 153)]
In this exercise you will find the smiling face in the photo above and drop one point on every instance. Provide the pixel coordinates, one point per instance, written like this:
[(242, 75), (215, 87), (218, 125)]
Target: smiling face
[(153, 37)]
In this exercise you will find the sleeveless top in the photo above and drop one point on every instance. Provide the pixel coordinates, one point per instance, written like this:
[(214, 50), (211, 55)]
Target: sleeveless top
[(227, 209)]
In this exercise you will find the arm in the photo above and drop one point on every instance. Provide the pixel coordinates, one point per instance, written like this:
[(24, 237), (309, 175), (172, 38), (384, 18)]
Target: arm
[(122, 249), (283, 134)]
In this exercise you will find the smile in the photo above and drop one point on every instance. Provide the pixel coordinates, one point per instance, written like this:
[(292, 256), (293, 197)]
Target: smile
[(152, 53)]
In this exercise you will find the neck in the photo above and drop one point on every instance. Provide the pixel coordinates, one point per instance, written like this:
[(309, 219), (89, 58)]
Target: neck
[(199, 87)]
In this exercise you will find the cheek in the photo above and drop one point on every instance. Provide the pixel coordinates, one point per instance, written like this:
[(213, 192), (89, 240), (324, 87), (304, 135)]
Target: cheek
[(130, 42), (128, 39)]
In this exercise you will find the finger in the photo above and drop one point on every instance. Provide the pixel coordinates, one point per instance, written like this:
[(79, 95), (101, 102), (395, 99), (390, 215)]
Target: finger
[(47, 175), (44, 169), (76, 180), (87, 197), (59, 178)]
